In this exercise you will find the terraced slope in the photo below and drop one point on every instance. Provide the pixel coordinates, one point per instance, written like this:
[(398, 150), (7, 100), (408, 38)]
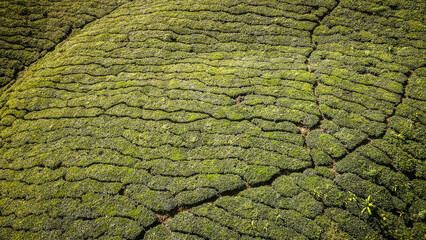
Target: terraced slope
[(222, 120), (29, 29)]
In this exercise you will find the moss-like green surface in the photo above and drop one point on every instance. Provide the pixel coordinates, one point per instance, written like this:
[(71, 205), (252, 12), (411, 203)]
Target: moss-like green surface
[(29, 29), (205, 119)]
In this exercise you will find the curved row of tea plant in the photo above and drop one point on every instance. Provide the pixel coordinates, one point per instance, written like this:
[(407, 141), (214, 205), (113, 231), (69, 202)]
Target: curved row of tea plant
[(222, 120), (29, 29)]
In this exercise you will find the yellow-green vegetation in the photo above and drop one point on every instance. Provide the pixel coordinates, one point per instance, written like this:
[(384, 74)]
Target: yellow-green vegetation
[(231, 119), (29, 29)]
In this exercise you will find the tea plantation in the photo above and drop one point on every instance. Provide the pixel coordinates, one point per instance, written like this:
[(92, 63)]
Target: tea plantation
[(200, 119)]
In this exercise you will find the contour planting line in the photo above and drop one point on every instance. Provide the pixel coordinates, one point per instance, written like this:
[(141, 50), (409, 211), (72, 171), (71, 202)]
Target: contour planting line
[(303, 129), (308, 58), (164, 217), (4, 89)]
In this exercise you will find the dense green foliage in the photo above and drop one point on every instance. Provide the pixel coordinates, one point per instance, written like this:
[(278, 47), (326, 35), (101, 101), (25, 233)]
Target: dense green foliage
[(29, 29), (254, 119)]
